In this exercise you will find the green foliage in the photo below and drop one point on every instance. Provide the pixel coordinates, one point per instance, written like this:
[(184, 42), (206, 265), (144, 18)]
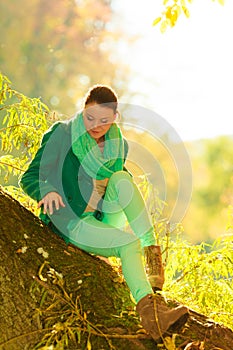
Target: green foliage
[(23, 120), (209, 211), (18, 194), (154, 204), (200, 279), (217, 191), (199, 276), (230, 218)]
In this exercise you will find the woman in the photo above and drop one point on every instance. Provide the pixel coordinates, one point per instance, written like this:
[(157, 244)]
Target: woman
[(86, 195)]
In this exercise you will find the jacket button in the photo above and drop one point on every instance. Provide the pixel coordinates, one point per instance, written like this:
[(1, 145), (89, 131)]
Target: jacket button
[(69, 198)]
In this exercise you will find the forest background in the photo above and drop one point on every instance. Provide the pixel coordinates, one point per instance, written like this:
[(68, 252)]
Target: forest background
[(57, 50)]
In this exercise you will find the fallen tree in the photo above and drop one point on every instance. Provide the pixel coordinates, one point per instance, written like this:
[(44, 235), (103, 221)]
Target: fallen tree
[(59, 296)]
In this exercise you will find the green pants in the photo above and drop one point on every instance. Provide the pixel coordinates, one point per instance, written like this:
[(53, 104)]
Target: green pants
[(123, 203)]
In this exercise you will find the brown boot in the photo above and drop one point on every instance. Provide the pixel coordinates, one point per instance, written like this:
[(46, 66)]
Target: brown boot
[(154, 267), (156, 319)]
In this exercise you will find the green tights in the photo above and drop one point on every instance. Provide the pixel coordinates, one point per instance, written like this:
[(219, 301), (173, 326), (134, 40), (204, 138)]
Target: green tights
[(123, 202)]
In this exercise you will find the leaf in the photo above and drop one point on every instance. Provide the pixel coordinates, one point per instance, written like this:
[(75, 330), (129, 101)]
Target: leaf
[(88, 344), (186, 11), (156, 21), (43, 298), (164, 26), (169, 343), (79, 336)]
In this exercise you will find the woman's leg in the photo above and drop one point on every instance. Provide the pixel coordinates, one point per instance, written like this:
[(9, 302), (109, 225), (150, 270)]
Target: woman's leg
[(123, 201), (102, 239)]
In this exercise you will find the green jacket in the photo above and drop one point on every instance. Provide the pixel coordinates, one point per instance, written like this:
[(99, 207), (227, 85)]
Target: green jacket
[(56, 168)]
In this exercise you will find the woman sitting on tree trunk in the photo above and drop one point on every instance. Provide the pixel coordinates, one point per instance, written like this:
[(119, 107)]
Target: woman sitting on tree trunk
[(86, 195)]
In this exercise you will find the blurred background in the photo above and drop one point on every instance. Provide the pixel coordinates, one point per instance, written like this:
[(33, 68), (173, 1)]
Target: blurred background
[(56, 50)]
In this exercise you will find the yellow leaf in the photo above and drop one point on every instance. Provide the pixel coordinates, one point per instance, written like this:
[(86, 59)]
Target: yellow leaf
[(164, 26), (156, 21), (168, 12), (88, 344), (169, 343), (221, 2), (186, 11)]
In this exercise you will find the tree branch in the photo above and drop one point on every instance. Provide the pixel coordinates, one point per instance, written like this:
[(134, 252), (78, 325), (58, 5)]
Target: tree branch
[(12, 166)]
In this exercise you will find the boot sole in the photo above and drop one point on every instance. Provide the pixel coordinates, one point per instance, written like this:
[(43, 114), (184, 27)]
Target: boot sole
[(179, 323), (174, 328)]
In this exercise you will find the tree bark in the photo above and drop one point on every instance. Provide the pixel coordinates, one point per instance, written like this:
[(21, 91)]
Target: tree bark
[(56, 294)]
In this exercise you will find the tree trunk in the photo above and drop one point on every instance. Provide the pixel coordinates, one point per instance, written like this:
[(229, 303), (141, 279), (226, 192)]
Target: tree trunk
[(56, 294)]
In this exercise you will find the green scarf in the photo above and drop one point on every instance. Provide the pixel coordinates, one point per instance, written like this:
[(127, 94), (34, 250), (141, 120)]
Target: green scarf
[(98, 165)]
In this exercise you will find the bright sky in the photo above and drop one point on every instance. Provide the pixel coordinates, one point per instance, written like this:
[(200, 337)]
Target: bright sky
[(186, 74)]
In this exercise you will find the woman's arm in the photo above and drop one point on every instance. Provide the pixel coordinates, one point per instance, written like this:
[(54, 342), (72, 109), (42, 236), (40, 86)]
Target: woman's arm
[(34, 181)]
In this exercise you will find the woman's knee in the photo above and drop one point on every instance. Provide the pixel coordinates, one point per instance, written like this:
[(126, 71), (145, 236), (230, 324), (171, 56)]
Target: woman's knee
[(120, 178), (120, 175), (121, 188)]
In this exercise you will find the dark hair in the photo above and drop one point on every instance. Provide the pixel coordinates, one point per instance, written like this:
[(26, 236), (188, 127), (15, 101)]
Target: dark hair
[(102, 94)]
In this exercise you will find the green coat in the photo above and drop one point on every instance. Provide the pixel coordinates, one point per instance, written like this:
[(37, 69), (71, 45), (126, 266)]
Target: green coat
[(56, 168)]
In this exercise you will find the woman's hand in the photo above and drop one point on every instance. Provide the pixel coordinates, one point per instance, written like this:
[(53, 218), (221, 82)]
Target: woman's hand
[(51, 200)]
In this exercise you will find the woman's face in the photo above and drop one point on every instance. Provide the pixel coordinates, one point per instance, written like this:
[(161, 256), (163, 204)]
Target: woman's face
[(98, 120)]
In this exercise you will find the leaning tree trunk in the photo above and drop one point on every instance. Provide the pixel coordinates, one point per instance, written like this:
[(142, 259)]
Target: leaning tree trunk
[(54, 294)]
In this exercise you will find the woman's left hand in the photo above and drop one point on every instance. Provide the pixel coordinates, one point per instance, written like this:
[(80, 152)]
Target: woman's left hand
[(50, 200)]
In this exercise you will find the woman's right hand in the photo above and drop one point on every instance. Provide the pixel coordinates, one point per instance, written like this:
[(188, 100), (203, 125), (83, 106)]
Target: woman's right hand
[(51, 200)]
